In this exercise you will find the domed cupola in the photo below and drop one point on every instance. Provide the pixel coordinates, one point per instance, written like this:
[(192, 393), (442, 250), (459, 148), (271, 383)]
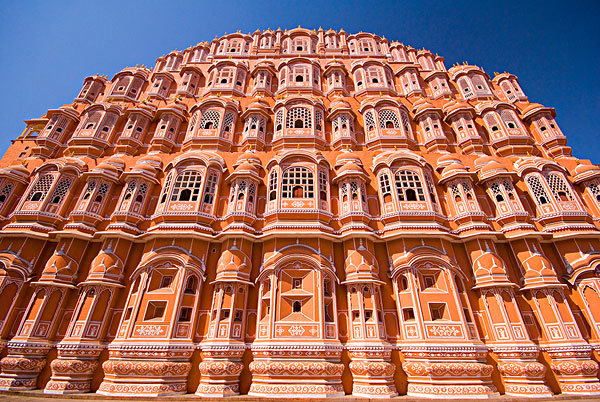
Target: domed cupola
[(107, 268), (138, 185), (351, 180), (429, 119), (96, 197), (256, 118), (342, 124), (466, 211), (244, 182), (460, 116), (546, 130)]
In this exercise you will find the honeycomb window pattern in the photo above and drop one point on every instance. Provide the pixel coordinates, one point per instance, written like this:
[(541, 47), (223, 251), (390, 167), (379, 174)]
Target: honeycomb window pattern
[(537, 189), (299, 117), (388, 119), (210, 120), (41, 187)]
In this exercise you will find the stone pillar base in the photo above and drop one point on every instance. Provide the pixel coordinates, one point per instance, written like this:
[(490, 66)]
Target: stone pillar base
[(135, 370), (296, 371), (74, 368), (523, 375), (220, 370), (575, 371), (22, 365), (372, 371), (448, 371)]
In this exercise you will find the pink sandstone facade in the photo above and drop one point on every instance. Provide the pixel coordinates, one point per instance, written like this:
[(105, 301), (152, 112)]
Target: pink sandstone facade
[(299, 213)]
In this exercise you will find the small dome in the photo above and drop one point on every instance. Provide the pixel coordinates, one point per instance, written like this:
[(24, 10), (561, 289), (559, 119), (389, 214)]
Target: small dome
[(350, 167), (454, 106), (113, 165), (454, 169), (532, 107), (149, 163), (585, 171), (446, 160), (488, 263), (583, 168), (19, 170), (344, 157), (231, 261)]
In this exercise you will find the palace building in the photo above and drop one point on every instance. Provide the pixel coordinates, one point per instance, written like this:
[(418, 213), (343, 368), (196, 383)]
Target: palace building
[(301, 213)]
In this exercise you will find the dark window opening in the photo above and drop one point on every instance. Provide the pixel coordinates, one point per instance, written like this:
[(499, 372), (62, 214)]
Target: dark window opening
[(185, 195), (299, 123), (411, 195), (185, 315), (563, 196), (298, 192), (37, 196)]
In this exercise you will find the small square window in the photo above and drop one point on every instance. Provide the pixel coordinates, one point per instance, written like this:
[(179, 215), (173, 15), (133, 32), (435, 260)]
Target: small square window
[(437, 311), (296, 283), (185, 315), (155, 310), (428, 281), (166, 281), (408, 314)]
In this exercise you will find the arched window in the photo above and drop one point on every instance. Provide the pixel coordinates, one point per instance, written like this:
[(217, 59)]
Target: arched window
[(297, 182), (405, 122), (388, 119), (560, 189), (228, 122), (210, 189), (187, 186), (273, 185), (279, 121), (537, 189), (5, 193), (41, 188), (89, 190), (322, 185), (299, 117), (190, 286), (61, 190), (508, 119), (479, 83), (226, 75), (166, 188), (210, 120), (408, 186), (369, 121), (385, 187)]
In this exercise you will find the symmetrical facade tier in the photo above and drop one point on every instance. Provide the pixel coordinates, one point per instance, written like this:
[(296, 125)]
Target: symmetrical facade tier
[(299, 213)]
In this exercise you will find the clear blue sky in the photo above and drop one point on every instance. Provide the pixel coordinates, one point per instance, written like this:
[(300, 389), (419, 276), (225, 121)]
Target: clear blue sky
[(47, 48)]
